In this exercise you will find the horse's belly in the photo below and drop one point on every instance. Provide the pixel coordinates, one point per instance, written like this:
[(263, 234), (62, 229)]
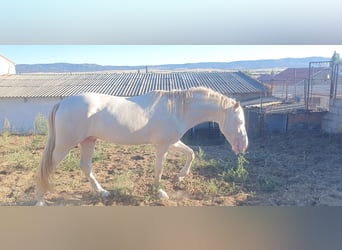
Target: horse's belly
[(127, 138), (150, 134)]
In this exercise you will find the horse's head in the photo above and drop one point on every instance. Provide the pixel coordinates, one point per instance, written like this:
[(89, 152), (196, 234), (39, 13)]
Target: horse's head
[(232, 126)]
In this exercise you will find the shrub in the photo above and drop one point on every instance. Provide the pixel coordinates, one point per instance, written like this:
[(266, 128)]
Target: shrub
[(239, 173), (6, 130), (40, 125)]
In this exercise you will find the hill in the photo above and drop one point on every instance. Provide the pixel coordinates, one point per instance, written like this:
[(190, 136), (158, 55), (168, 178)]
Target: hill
[(237, 65)]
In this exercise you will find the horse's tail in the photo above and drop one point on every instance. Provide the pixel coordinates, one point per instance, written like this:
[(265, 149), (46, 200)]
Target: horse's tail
[(45, 167)]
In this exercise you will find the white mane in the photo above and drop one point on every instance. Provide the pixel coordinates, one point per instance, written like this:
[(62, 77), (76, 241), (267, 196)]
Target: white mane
[(178, 100)]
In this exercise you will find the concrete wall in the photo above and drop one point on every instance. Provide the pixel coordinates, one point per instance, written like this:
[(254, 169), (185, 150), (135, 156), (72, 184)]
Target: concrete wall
[(332, 122), (305, 121), (21, 112)]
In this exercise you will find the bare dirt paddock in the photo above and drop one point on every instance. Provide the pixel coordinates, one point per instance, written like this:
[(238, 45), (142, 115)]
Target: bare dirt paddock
[(302, 169)]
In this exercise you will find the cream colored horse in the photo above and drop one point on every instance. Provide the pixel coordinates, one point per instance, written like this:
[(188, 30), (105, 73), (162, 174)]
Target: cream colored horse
[(159, 118)]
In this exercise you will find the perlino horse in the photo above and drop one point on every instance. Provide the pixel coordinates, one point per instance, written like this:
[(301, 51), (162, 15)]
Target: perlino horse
[(159, 118)]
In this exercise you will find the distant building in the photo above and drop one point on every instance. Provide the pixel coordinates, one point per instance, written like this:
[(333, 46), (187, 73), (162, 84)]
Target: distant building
[(291, 82), (7, 67), (293, 76)]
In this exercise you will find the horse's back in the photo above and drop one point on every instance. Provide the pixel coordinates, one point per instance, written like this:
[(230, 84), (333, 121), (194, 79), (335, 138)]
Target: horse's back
[(86, 104)]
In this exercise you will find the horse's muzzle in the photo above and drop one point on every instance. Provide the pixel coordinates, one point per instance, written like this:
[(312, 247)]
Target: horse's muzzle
[(240, 148)]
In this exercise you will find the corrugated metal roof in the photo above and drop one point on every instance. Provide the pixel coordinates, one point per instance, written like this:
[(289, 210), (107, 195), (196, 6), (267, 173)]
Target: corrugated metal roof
[(123, 84)]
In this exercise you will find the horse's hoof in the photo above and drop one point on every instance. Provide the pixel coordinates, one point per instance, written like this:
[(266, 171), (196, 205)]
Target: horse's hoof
[(104, 193), (163, 195), (41, 203)]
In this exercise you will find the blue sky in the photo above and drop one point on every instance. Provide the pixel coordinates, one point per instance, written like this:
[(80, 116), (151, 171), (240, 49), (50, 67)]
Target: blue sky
[(158, 54)]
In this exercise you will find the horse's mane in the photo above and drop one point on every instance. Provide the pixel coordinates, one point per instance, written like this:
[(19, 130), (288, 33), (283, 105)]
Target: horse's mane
[(178, 100), (224, 102)]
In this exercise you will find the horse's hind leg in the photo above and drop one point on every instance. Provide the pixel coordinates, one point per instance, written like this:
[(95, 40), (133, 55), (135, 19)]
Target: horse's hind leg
[(87, 150), (57, 156), (190, 156)]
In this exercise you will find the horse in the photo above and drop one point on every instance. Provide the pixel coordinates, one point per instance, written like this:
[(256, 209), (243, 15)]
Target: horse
[(159, 118)]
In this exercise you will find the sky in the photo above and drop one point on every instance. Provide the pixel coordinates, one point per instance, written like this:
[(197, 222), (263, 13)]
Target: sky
[(136, 55)]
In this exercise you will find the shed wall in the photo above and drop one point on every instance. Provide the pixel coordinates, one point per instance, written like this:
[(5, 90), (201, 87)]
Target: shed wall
[(6, 67), (21, 112)]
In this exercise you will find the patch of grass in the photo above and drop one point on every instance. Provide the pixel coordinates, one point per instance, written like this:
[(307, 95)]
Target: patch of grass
[(215, 177), (202, 187), (20, 158), (99, 155), (200, 154), (205, 187), (237, 174), (37, 142), (15, 158), (5, 134), (258, 157), (152, 193), (71, 161), (75, 184), (261, 180), (6, 130), (266, 184), (40, 125), (202, 161), (123, 184)]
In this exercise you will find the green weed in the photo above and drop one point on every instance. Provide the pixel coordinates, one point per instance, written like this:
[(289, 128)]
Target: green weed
[(239, 173), (99, 155), (123, 184), (153, 193), (6, 132), (202, 161), (37, 142), (40, 125), (71, 161), (214, 177)]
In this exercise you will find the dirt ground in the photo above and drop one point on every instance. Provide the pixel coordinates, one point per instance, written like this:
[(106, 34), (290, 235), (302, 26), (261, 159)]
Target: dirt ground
[(302, 169)]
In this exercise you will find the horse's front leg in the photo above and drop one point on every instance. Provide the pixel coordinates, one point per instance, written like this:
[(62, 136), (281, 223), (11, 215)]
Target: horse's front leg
[(161, 153), (190, 156), (87, 150)]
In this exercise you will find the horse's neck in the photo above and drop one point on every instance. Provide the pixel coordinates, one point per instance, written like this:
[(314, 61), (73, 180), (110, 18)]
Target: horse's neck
[(200, 111)]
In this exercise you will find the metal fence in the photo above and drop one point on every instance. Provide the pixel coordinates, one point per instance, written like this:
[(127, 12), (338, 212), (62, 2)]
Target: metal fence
[(323, 82)]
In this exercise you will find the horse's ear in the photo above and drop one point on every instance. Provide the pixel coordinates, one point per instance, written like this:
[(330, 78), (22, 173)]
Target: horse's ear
[(236, 105)]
